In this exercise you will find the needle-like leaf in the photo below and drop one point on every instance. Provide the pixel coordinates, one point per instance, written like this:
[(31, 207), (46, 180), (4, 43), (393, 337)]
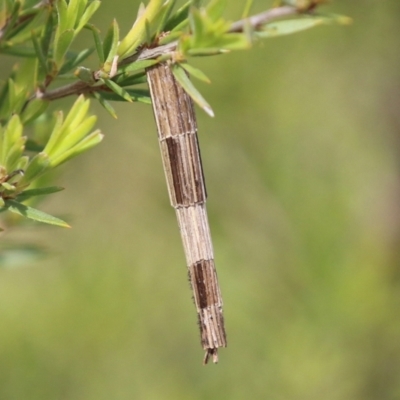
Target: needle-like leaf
[(33, 213), (181, 76)]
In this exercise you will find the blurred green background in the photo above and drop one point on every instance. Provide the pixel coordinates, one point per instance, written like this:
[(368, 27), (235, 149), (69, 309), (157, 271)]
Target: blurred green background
[(302, 169)]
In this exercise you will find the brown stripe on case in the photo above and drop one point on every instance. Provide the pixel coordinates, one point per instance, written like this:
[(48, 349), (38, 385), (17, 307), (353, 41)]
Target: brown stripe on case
[(203, 278), (184, 173)]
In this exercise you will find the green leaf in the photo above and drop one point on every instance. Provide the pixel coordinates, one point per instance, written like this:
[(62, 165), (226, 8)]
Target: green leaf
[(74, 60), (34, 109), (102, 100), (215, 9), (33, 213), (11, 134), (179, 17), (97, 42), (195, 72), (15, 153), (172, 36), (111, 45), (77, 113), (206, 52), (87, 143), (62, 45), (11, 19), (22, 163), (234, 41), (137, 34), (33, 146), (75, 135), (36, 167), (196, 25), (288, 27), (63, 23), (48, 32), (21, 30), (118, 89), (8, 186), (27, 194), (90, 10), (247, 8), (39, 52), (17, 96), (130, 80), (182, 78), (56, 132), (137, 65), (74, 12), (72, 130), (18, 51), (166, 12), (140, 95)]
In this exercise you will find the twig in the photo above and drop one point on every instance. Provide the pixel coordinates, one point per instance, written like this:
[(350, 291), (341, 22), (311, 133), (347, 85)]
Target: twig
[(263, 18)]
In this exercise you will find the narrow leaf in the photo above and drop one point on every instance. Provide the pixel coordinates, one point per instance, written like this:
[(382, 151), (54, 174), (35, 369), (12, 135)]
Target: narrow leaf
[(12, 18), (74, 60), (19, 51), (62, 46), (172, 36), (97, 42), (15, 153), (118, 89), (102, 100), (137, 65), (197, 73), (11, 134), (129, 80), (87, 143), (113, 46), (182, 78), (212, 51), (27, 194), (215, 9), (179, 17), (34, 214), (77, 134), (39, 52), (166, 12), (37, 166), (62, 9), (47, 32), (90, 10), (35, 108), (137, 33), (288, 27), (140, 95)]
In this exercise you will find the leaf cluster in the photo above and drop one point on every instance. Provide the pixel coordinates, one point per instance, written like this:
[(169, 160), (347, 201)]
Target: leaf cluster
[(41, 34)]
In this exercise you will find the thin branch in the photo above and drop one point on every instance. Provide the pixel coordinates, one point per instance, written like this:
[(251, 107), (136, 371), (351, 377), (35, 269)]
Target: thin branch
[(255, 21), (77, 87), (263, 18)]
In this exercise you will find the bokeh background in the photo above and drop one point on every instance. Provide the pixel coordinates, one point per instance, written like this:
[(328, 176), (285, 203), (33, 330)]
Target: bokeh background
[(302, 169)]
